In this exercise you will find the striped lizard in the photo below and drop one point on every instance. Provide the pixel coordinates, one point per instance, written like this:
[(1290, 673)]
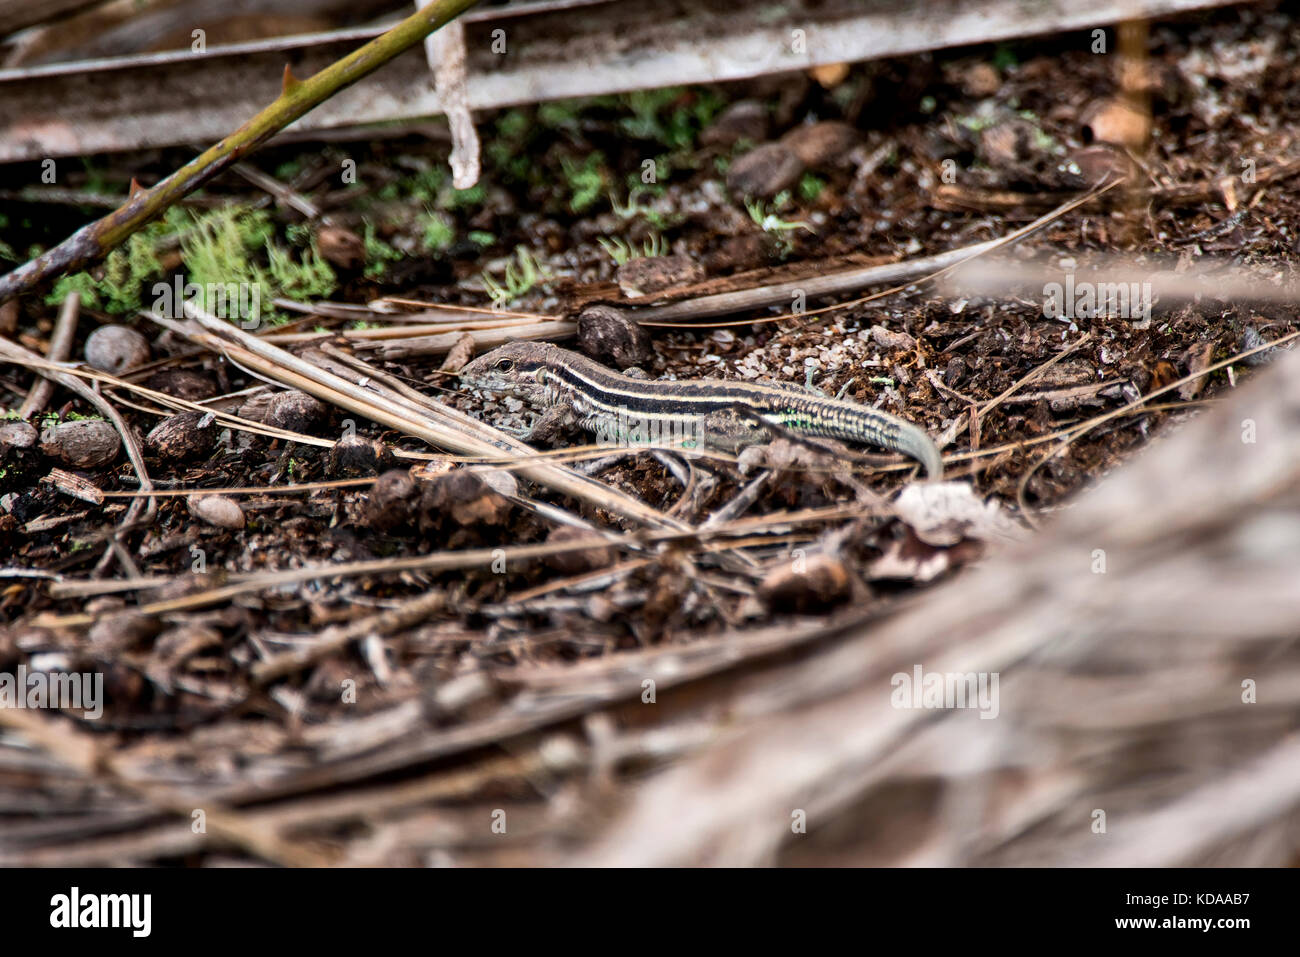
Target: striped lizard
[(568, 387)]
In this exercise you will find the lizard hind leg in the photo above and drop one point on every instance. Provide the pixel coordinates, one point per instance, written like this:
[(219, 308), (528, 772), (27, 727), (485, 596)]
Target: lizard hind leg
[(730, 430)]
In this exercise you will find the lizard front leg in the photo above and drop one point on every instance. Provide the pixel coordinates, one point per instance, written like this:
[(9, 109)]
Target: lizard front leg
[(552, 423), (548, 426)]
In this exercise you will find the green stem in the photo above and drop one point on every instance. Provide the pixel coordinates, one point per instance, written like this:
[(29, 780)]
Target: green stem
[(96, 240)]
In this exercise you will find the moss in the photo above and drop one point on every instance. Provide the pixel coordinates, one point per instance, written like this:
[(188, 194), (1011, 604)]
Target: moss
[(436, 232), (378, 253), (673, 116), (561, 115), (116, 286), (508, 147), (95, 182), (305, 276), (80, 282), (463, 198), (288, 170), (513, 124), (220, 249), (426, 185), (1004, 57), (586, 182), (810, 187), (224, 248)]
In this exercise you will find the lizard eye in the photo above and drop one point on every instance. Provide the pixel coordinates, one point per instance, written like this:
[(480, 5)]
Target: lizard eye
[(505, 365)]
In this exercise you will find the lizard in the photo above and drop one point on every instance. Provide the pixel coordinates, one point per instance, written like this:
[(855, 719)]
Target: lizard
[(728, 416)]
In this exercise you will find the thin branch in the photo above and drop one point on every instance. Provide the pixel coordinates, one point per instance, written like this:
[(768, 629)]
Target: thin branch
[(96, 240), (65, 331), (907, 274)]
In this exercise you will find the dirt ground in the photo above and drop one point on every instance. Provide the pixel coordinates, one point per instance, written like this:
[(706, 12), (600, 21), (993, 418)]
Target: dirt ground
[(787, 177)]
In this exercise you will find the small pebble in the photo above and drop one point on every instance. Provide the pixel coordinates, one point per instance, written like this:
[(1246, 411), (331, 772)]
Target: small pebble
[(610, 336), (216, 510), (116, 349)]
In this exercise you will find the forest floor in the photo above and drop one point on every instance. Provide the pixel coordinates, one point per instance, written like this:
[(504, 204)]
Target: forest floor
[(758, 182)]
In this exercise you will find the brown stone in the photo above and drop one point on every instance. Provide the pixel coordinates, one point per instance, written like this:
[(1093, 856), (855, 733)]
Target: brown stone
[(764, 171), (83, 444), (609, 335), (187, 435), (822, 144)]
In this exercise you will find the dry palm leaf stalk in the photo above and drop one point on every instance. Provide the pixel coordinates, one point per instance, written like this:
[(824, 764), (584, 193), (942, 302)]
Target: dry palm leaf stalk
[(1161, 688), (1100, 668), (1150, 671)]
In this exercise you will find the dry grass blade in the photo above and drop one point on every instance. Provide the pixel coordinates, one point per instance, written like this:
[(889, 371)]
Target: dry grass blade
[(80, 752), (442, 561), (65, 329), (907, 273), (17, 354)]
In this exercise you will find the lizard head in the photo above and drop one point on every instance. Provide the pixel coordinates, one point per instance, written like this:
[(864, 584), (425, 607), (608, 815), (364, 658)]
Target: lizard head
[(512, 369)]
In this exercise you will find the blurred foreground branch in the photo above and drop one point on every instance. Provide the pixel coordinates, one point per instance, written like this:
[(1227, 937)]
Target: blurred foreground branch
[(1146, 710)]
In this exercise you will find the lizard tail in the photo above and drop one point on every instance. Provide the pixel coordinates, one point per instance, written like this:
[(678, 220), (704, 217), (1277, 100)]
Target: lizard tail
[(916, 442)]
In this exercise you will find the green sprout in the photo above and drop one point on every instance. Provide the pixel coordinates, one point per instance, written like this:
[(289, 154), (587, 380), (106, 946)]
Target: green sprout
[(632, 208), (621, 251), (635, 209), (522, 273), (766, 218)]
